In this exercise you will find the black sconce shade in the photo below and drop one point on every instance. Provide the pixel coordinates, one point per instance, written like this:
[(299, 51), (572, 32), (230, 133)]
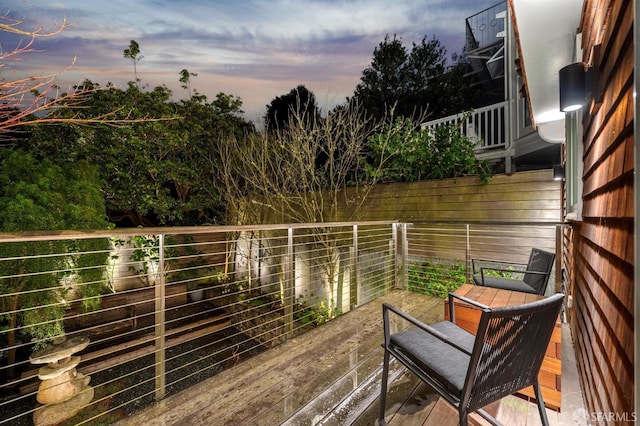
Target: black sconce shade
[(558, 172), (572, 87)]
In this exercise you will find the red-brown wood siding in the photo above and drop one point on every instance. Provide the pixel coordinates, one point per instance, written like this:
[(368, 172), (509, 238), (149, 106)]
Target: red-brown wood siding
[(599, 249)]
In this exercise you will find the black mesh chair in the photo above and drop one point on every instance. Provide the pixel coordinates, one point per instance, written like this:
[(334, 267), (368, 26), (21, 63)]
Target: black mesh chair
[(470, 371), (534, 275)]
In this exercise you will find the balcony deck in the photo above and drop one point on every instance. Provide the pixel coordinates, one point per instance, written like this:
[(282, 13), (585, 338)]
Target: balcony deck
[(330, 375)]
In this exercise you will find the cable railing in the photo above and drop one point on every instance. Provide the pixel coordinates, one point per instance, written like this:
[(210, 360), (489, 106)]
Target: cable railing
[(97, 325), (438, 257)]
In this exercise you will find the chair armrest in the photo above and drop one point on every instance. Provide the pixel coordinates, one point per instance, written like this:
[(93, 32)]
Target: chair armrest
[(469, 301), (386, 308), (514, 271), (452, 306), (501, 262), (511, 271)]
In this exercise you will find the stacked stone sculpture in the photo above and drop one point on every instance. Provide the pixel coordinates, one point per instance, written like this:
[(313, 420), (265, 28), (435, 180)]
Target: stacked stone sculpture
[(63, 391)]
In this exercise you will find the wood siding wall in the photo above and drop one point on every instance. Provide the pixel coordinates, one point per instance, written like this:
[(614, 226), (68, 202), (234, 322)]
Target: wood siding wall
[(600, 254)]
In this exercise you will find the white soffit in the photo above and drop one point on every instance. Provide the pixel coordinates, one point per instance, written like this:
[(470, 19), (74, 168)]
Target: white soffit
[(546, 34)]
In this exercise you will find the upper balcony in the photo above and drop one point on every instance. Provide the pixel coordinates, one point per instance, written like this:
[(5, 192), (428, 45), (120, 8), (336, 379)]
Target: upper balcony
[(487, 127), (485, 29), (501, 131)]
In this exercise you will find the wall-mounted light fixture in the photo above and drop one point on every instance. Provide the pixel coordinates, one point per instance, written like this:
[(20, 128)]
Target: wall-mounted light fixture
[(572, 87), (558, 172)]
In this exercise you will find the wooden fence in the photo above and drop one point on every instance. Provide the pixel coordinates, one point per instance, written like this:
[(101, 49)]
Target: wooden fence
[(531, 196)]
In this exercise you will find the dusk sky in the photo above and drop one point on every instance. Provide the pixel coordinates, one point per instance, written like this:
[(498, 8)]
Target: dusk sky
[(253, 49)]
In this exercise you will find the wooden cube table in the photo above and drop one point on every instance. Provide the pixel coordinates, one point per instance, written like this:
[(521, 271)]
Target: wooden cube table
[(468, 318)]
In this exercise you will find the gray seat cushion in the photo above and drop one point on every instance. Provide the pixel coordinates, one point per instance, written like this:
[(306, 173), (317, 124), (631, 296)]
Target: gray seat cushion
[(437, 359), (504, 283)]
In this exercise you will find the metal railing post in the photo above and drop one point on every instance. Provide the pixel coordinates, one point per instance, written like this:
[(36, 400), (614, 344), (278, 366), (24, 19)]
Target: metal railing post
[(355, 282), (559, 259), (396, 261), (405, 255), (468, 254), (402, 253), (160, 295), (389, 281), (289, 284)]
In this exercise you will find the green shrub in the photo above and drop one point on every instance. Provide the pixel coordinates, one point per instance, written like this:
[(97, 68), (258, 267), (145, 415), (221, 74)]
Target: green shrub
[(317, 314), (411, 154), (435, 278), (39, 195)]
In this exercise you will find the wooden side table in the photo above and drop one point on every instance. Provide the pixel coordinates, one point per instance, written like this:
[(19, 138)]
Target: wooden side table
[(468, 318)]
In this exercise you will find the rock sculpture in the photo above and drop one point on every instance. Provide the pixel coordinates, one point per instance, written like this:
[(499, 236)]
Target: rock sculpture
[(63, 391)]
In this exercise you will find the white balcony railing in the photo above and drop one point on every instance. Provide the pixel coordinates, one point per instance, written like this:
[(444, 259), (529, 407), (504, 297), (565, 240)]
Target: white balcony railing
[(487, 127)]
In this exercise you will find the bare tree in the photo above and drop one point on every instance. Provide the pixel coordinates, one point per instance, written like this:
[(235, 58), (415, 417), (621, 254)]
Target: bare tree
[(17, 96), (34, 99), (300, 175), (297, 175)]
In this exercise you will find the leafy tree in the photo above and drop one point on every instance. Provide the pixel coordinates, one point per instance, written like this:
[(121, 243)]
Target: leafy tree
[(39, 195), (413, 83), (454, 92), (231, 106), (133, 53), (205, 129), (185, 79), (426, 66), (385, 83), (162, 172), (300, 103)]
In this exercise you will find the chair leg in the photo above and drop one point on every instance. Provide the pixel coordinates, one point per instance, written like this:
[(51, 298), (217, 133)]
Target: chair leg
[(463, 417), (488, 417), (541, 408), (383, 388)]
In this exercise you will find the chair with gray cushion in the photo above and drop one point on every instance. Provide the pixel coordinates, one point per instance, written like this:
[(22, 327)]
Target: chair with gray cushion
[(532, 277), (470, 371)]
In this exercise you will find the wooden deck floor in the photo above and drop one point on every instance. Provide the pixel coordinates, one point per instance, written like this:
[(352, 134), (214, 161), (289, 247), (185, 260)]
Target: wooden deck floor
[(328, 376), (421, 406)]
